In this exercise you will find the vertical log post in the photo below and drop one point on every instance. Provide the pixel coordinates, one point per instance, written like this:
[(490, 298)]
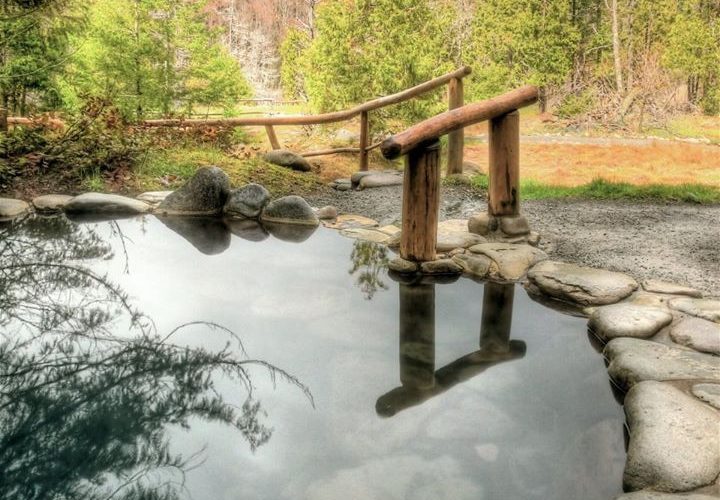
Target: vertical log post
[(504, 161), (456, 139), (421, 202), (364, 139), (3, 120), (272, 136)]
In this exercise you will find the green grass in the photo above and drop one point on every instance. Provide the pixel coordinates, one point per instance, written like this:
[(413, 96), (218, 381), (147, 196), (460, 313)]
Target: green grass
[(600, 189), (171, 168)]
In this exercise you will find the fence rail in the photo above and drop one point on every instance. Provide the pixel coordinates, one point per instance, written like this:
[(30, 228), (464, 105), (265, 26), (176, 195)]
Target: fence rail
[(455, 97)]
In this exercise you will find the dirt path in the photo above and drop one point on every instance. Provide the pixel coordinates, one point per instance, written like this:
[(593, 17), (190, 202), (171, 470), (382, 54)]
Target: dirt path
[(596, 141), (676, 242)]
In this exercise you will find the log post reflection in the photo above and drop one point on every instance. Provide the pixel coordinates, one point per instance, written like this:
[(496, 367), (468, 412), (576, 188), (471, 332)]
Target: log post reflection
[(420, 381)]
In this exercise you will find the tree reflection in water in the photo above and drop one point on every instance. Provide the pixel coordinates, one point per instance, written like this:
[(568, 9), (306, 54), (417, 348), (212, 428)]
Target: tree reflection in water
[(369, 260), (84, 412)]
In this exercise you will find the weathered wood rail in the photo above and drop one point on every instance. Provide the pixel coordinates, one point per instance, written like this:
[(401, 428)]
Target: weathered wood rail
[(421, 185), (454, 80)]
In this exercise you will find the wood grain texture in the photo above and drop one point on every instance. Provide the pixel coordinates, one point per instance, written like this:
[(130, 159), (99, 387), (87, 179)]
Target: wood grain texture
[(504, 165), (449, 121), (421, 203), (456, 139)]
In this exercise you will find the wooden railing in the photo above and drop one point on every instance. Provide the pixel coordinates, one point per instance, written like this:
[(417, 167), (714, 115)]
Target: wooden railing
[(455, 97), (421, 186)]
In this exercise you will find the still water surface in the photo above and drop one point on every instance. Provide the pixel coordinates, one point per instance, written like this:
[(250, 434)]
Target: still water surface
[(447, 391)]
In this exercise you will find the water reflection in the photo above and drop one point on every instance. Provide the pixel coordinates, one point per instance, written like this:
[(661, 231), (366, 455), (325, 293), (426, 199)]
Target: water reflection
[(420, 381), (85, 411), (212, 235), (369, 261)]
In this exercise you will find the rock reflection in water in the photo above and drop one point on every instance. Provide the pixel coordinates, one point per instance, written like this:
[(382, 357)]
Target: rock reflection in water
[(209, 235), (420, 381), (212, 235), (84, 413)]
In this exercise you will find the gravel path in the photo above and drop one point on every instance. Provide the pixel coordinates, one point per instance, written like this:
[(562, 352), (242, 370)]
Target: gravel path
[(675, 242)]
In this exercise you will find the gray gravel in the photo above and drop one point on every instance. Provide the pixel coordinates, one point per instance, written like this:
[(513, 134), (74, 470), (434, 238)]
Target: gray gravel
[(674, 242)]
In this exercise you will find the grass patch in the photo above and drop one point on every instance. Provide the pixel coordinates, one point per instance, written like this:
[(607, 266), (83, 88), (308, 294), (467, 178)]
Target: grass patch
[(171, 168), (600, 189)]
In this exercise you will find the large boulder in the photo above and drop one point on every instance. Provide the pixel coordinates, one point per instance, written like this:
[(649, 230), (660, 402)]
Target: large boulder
[(628, 320), (631, 361), (697, 333), (50, 203), (105, 204), (10, 208), (248, 201), (290, 210), (204, 194), (288, 159), (581, 285), (674, 439)]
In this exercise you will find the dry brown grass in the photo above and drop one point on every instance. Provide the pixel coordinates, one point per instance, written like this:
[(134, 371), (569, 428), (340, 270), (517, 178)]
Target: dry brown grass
[(574, 165)]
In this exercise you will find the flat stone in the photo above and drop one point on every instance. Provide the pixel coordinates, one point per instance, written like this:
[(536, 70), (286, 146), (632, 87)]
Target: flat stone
[(655, 495), (516, 225), (658, 286), (454, 233), (348, 221), (153, 197), (628, 320), (105, 204), (400, 265), (328, 212), (470, 166), (372, 235), (533, 238), (345, 137), (702, 308), (643, 298), (477, 265), (440, 266), (50, 203), (288, 159), (581, 285), (710, 393), (482, 224), (634, 360), (380, 180), (390, 230), (674, 441), (697, 333), (11, 208), (290, 210), (247, 201), (510, 262), (204, 194), (247, 229), (342, 187)]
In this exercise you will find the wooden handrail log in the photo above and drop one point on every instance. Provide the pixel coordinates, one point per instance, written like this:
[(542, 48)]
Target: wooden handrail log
[(323, 152), (437, 126), (336, 116)]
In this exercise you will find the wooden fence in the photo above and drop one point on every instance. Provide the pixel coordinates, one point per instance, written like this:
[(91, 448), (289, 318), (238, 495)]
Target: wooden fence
[(421, 186), (454, 80)]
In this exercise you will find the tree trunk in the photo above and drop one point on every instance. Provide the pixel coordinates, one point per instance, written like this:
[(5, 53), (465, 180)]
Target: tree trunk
[(616, 45)]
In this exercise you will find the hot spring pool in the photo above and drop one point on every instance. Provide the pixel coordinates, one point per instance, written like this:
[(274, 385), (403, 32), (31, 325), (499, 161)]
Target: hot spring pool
[(417, 391)]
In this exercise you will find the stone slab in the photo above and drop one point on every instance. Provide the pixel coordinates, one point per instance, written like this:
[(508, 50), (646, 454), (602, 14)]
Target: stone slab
[(633, 360), (697, 333), (581, 285), (674, 443), (628, 320)]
